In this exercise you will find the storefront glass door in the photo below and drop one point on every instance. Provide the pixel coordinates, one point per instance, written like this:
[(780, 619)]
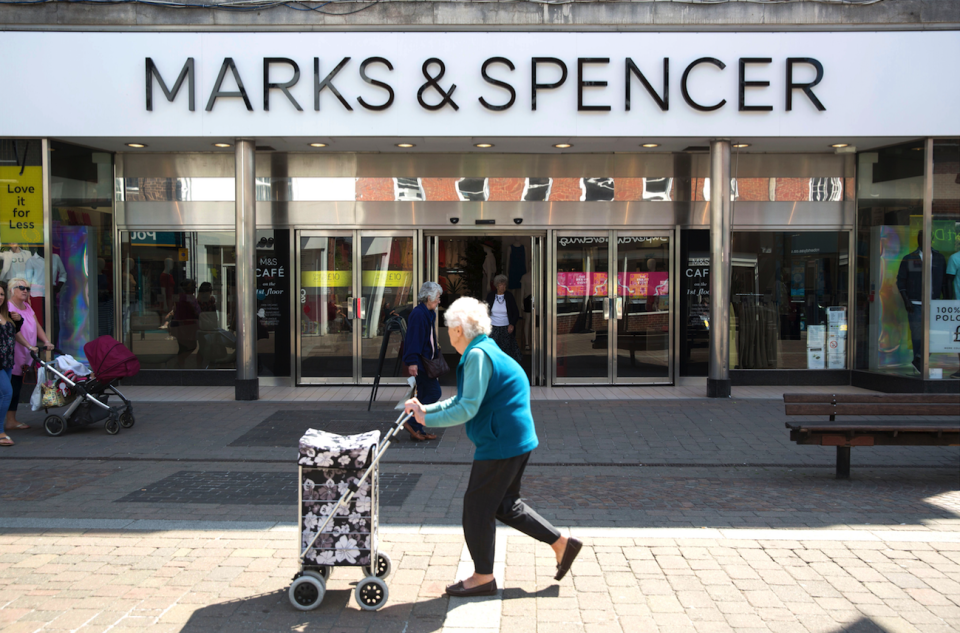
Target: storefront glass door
[(611, 308), (326, 314), (643, 322), (347, 295), (582, 308)]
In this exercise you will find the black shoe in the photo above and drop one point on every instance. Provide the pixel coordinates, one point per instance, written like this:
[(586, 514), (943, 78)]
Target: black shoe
[(459, 591), (569, 555)]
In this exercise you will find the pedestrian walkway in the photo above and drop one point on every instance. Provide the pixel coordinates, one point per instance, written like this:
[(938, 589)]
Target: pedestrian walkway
[(393, 393), (698, 515)]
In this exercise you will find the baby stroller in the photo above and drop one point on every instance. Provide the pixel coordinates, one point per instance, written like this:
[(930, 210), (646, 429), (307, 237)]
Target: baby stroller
[(339, 490), (110, 361)]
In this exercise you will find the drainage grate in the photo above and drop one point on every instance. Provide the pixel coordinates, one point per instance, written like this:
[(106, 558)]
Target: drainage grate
[(285, 428), (251, 488)]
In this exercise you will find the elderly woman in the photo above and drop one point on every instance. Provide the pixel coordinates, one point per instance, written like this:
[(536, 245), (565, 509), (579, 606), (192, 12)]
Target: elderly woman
[(420, 344), (30, 333), (504, 315), (493, 399)]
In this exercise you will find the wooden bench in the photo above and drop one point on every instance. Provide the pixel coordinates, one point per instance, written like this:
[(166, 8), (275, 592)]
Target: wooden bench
[(845, 435)]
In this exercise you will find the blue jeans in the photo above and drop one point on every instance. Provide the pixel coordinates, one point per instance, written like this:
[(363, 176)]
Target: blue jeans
[(6, 389), (428, 392)]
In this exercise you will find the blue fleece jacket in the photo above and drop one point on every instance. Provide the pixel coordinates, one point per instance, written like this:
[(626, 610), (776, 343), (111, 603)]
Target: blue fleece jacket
[(493, 399)]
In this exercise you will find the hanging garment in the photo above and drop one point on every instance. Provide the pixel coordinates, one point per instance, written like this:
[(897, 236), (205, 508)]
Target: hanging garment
[(518, 266)]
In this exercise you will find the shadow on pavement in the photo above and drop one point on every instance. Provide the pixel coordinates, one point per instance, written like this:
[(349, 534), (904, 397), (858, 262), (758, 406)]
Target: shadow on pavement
[(273, 612)]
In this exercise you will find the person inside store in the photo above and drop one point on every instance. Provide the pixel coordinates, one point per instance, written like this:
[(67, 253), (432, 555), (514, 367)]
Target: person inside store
[(186, 321), (419, 344), (504, 315), (493, 400), (910, 285), (30, 333), (10, 324)]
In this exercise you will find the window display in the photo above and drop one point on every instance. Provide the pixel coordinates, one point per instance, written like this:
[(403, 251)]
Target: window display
[(178, 298), (889, 303), (944, 319), (789, 295)]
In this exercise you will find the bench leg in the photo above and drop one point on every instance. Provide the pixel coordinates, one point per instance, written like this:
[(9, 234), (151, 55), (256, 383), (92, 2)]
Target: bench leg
[(843, 462)]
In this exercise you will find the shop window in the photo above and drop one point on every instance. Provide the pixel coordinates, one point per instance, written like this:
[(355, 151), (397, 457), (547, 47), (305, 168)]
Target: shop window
[(21, 218), (889, 300), (945, 310), (81, 284), (789, 296), (178, 298)]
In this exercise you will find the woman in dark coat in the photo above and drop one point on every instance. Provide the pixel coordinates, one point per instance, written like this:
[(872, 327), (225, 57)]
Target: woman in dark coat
[(421, 343), (504, 315)]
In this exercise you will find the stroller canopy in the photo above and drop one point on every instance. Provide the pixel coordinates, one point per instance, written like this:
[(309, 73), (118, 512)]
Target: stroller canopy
[(110, 359)]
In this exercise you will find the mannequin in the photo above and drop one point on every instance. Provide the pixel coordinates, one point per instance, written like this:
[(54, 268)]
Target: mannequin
[(104, 299), (35, 272), (953, 285), (910, 285), (489, 269), (14, 262)]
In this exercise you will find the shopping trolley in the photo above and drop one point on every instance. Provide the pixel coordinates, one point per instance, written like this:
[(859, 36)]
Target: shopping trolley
[(338, 514)]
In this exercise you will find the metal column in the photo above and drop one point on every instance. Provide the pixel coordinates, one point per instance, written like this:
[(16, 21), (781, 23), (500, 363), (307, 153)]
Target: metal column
[(247, 384), (926, 247), (718, 376)]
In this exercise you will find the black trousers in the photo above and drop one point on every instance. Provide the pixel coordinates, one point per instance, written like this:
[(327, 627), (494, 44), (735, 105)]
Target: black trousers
[(494, 494)]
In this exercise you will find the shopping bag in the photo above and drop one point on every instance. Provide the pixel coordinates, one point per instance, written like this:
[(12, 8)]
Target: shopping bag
[(37, 395)]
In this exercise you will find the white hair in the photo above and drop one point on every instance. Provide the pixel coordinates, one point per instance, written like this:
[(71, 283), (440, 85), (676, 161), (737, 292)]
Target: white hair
[(471, 315), (17, 281), (429, 291)]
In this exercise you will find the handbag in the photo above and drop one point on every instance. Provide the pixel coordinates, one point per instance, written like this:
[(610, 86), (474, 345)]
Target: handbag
[(436, 366)]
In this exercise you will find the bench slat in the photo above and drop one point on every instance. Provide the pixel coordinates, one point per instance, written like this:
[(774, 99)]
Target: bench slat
[(893, 398), (922, 427), (870, 409)]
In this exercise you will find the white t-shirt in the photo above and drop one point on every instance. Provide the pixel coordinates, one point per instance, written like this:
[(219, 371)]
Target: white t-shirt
[(498, 314)]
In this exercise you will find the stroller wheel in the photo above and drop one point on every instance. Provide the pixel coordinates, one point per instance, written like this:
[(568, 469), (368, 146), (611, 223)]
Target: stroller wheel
[(383, 566), (111, 426), (54, 425), (126, 419), (371, 593), (306, 592)]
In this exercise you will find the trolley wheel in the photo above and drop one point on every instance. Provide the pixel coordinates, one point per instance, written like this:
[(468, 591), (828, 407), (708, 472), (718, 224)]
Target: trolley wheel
[(111, 426), (126, 419), (306, 592), (371, 593), (323, 571), (54, 425), (384, 566)]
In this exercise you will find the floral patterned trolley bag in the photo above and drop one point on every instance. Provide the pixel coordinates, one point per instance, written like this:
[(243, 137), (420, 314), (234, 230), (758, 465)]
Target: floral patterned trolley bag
[(339, 476)]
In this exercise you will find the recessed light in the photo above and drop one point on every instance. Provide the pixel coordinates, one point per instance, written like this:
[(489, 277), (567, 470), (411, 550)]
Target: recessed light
[(405, 145), (741, 145), (563, 145), (136, 145), (318, 144), (839, 145), (650, 145), (483, 145), (222, 145)]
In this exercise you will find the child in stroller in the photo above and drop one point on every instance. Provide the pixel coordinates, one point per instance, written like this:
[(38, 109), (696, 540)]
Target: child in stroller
[(110, 361)]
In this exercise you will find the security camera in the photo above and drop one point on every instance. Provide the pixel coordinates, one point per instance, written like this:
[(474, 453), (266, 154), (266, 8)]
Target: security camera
[(454, 220), (518, 220)]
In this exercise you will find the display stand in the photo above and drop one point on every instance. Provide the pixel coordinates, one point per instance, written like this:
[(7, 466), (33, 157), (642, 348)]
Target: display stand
[(391, 325)]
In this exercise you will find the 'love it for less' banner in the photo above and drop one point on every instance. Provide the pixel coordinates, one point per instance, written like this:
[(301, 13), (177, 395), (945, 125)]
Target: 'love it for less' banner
[(21, 205)]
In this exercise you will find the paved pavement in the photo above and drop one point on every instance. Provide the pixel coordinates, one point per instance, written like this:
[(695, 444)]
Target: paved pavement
[(698, 515)]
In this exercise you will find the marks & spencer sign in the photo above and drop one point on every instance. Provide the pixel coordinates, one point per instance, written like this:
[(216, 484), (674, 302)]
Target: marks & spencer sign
[(559, 85)]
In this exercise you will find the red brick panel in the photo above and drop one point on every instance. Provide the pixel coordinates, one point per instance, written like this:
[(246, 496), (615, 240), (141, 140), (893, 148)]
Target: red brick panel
[(375, 189), (565, 190), (506, 189), (440, 189), (627, 189), (753, 189), (793, 189)]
